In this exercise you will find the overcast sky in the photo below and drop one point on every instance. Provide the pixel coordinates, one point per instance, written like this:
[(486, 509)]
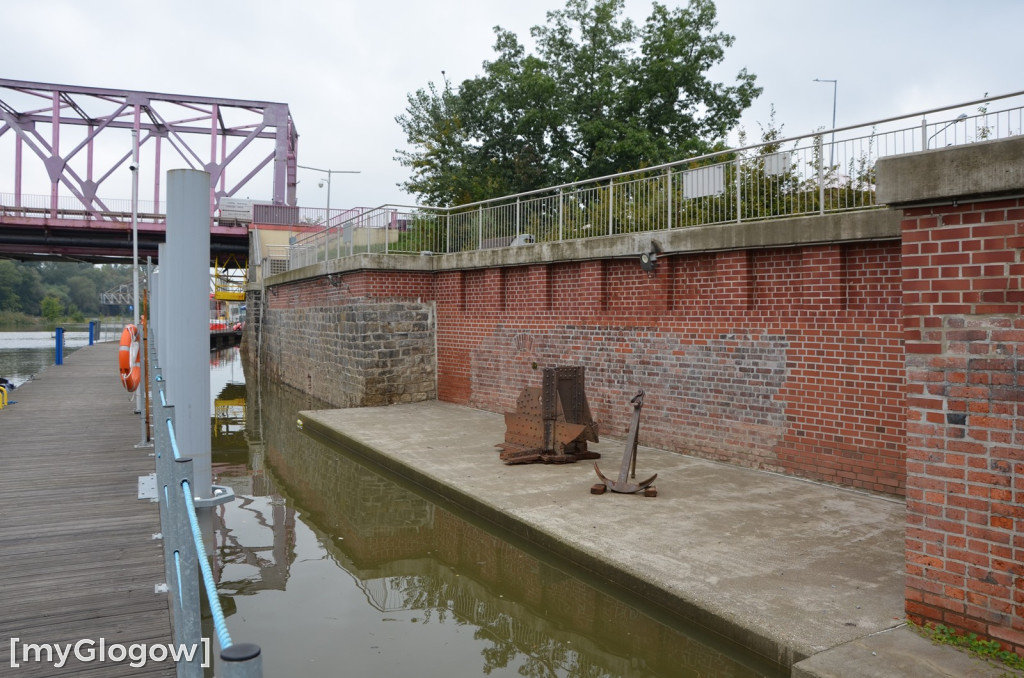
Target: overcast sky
[(345, 67)]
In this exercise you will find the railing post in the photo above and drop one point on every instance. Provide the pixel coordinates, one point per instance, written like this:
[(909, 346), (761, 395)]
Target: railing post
[(518, 226), (186, 569), (480, 227), (924, 134), (739, 188), (561, 215), (447, 233), (611, 205), (821, 174), (668, 181)]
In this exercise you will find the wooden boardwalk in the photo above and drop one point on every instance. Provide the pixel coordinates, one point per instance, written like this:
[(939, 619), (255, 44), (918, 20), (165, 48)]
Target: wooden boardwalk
[(77, 555)]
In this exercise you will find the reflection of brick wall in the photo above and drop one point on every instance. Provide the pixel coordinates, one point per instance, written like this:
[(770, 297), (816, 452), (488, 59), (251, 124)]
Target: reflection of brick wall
[(964, 298)]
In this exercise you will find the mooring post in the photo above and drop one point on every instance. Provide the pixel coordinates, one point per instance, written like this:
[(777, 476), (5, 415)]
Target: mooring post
[(186, 338)]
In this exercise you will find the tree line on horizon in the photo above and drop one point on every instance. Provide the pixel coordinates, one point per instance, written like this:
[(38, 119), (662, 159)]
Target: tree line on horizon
[(55, 290)]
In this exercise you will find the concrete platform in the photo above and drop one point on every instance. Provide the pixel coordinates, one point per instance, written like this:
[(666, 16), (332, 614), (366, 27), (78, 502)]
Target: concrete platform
[(788, 569)]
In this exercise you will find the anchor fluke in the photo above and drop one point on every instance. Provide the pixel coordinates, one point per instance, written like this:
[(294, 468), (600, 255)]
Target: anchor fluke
[(628, 467)]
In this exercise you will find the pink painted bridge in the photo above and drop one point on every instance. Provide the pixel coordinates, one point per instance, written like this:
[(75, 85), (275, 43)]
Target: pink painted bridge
[(62, 147)]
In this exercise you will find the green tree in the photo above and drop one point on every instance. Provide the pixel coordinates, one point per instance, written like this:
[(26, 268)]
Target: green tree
[(601, 95), (51, 308), (83, 294)]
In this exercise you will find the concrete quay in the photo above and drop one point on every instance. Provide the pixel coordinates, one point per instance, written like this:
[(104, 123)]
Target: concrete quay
[(805, 575)]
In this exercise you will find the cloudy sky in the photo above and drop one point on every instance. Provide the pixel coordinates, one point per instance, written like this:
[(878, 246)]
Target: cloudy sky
[(345, 67)]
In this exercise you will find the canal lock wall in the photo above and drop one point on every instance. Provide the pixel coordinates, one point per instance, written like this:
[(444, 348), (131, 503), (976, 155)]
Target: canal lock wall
[(881, 350)]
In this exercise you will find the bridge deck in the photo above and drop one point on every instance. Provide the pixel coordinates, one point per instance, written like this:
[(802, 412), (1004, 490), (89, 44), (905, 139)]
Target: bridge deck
[(77, 557)]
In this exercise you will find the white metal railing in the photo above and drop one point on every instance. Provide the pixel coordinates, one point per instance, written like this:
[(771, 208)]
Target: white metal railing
[(24, 205), (826, 171)]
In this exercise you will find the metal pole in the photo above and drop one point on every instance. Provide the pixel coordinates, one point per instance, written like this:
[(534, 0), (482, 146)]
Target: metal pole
[(135, 227), (186, 335), (739, 200), (821, 175), (669, 175), (611, 204), (835, 88)]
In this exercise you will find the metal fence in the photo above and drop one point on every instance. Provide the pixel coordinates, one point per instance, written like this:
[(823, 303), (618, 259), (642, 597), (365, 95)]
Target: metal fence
[(185, 557), (826, 171)]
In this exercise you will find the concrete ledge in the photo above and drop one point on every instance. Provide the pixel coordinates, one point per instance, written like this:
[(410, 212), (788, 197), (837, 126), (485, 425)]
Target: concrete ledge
[(988, 169), (875, 224), (899, 653)]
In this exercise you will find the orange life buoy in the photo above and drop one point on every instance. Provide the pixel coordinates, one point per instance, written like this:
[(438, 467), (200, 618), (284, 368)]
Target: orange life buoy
[(128, 358)]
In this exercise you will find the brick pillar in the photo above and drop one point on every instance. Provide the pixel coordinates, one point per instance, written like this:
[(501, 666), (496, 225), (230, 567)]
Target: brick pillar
[(964, 338)]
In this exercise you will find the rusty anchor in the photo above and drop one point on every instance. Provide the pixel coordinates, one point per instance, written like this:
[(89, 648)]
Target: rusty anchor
[(551, 424), (628, 468)]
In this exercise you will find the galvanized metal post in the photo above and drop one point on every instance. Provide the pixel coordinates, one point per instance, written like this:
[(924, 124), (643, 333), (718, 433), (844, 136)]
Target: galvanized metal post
[(924, 134), (242, 660), (668, 177), (186, 568), (611, 204), (187, 338), (821, 174), (561, 215), (164, 480), (480, 227), (518, 225), (739, 189), (448, 233)]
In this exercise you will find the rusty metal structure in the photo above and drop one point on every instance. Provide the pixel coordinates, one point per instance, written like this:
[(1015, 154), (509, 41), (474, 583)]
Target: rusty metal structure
[(551, 424), (628, 468)]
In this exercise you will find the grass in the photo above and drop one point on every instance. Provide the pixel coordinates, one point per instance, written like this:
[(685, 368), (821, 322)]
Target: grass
[(988, 650)]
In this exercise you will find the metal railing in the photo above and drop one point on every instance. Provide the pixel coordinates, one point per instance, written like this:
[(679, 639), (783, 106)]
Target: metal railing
[(185, 557), (24, 205), (826, 171)]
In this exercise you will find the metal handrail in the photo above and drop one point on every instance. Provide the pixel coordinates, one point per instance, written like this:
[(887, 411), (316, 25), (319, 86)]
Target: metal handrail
[(783, 177), (185, 557)]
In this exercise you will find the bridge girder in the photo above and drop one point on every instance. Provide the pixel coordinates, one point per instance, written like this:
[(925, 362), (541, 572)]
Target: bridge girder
[(196, 128)]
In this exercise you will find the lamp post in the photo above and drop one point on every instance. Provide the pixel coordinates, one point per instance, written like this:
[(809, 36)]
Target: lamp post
[(962, 116), (329, 172), (832, 146)]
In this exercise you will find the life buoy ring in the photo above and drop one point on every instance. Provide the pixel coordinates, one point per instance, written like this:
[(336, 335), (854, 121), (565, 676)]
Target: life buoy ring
[(128, 358)]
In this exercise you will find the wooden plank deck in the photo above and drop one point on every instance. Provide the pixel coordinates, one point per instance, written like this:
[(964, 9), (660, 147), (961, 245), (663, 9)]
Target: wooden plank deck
[(77, 554)]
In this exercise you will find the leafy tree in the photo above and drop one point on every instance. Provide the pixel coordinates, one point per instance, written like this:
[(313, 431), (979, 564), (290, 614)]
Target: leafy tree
[(83, 294), (601, 95), (51, 308)]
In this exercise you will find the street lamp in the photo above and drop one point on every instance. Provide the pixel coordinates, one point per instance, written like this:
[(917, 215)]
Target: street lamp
[(962, 116), (329, 172), (832, 147)]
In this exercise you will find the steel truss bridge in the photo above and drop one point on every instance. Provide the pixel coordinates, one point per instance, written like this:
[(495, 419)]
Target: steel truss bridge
[(61, 146)]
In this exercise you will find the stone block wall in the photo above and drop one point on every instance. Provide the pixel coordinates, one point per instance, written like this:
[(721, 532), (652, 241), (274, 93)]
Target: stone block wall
[(349, 343)]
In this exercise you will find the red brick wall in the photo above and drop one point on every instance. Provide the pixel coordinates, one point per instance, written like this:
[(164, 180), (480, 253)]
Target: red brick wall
[(783, 359), (964, 297), (787, 359)]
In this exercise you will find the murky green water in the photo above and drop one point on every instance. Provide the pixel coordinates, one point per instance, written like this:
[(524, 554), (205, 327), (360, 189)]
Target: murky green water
[(336, 570)]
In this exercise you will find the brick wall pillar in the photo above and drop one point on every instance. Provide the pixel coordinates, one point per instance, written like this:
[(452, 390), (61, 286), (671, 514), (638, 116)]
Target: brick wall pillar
[(964, 337)]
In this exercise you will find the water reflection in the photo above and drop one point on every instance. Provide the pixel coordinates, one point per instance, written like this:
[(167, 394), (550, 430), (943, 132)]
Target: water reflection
[(337, 570)]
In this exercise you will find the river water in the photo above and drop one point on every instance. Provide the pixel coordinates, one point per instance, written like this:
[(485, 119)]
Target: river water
[(337, 570)]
